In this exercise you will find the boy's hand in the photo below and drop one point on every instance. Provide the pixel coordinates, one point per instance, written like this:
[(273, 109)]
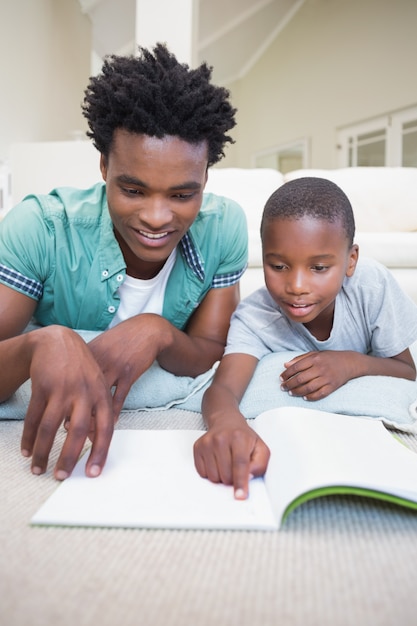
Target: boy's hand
[(315, 375), (231, 454)]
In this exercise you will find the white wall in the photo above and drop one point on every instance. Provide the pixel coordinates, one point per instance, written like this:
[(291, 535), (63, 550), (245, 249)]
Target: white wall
[(44, 69), (336, 63)]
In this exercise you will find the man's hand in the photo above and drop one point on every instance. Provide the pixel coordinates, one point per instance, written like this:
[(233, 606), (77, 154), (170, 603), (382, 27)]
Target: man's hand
[(127, 350), (231, 454), (67, 385), (315, 375)]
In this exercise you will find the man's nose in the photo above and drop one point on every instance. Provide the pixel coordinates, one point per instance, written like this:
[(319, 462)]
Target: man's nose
[(156, 213)]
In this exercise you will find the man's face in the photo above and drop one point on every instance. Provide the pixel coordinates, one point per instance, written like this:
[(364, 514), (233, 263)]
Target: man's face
[(154, 193)]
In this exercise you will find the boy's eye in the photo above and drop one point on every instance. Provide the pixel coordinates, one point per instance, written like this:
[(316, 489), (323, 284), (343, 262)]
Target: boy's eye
[(319, 268), (278, 267)]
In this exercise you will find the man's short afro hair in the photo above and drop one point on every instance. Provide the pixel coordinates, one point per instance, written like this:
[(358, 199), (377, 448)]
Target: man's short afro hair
[(155, 95)]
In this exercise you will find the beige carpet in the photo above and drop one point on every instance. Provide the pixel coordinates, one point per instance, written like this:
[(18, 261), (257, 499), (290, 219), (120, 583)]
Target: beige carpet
[(338, 561)]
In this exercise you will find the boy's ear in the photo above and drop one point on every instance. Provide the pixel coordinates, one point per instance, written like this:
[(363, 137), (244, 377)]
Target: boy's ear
[(353, 256)]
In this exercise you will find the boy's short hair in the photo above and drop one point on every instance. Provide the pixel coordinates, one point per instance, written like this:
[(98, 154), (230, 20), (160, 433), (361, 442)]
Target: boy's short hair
[(314, 197), (156, 95)]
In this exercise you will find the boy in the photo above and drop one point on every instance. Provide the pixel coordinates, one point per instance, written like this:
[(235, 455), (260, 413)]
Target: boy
[(144, 257), (350, 318)]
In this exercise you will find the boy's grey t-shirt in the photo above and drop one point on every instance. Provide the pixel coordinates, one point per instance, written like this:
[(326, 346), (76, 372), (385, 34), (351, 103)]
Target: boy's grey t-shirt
[(372, 316)]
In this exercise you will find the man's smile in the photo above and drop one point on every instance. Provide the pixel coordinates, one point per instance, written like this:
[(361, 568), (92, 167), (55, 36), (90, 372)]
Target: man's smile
[(149, 235)]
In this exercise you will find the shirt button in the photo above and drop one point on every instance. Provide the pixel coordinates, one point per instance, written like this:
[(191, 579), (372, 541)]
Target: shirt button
[(119, 278), (111, 309), (105, 273)]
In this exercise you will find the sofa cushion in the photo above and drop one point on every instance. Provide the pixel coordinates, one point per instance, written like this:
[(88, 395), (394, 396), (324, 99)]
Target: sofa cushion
[(251, 188), (383, 198), (393, 249)]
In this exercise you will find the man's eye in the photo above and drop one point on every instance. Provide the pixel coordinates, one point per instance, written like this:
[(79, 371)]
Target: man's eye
[(183, 196), (131, 191)]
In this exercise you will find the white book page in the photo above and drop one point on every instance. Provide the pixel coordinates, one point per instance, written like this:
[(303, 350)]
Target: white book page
[(313, 449), (150, 481)]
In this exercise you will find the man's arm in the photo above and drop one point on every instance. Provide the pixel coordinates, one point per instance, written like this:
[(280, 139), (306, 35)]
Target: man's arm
[(66, 384), (16, 311), (230, 452), (127, 350), (194, 352)]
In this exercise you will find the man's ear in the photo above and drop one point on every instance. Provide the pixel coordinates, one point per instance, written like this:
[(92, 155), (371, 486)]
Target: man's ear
[(103, 166), (353, 256)]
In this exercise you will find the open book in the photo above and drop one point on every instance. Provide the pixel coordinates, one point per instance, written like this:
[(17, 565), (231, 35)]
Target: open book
[(150, 480)]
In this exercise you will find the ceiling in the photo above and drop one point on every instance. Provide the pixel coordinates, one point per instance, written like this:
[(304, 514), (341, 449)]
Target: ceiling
[(232, 34)]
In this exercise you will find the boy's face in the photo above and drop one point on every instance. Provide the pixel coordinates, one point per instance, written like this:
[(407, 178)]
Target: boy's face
[(305, 262), (154, 193)]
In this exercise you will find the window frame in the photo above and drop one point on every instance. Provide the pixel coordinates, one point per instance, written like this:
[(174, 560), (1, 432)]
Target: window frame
[(300, 146), (391, 124)]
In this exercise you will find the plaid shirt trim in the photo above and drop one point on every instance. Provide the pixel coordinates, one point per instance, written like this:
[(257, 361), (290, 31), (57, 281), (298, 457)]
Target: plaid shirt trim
[(194, 261), (17, 280), (192, 257), (226, 280)]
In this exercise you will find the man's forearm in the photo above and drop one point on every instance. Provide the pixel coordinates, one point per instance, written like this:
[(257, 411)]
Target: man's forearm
[(188, 355), (15, 357)]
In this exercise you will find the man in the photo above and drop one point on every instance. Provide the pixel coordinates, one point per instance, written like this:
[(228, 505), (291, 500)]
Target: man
[(144, 257)]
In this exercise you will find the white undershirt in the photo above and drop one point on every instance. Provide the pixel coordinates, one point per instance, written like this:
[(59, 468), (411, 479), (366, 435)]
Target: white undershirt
[(143, 296)]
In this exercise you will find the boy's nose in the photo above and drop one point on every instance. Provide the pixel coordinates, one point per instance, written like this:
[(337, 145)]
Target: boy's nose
[(297, 282)]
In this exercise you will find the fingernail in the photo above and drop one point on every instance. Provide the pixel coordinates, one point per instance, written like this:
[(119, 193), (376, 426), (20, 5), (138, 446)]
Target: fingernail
[(25, 452), (240, 494), (251, 476), (94, 471), (61, 474), (36, 470)]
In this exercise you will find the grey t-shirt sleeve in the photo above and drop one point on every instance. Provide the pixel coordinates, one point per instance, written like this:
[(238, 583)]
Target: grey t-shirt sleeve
[(389, 315)]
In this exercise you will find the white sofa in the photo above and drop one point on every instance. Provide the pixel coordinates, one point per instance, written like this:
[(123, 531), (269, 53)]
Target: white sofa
[(384, 202)]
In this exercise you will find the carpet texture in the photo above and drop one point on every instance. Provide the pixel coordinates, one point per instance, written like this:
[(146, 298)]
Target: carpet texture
[(339, 561)]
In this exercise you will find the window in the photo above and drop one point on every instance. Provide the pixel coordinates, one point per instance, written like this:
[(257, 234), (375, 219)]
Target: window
[(387, 140), (284, 158)]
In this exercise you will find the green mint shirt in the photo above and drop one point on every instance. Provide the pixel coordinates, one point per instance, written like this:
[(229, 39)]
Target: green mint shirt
[(60, 249)]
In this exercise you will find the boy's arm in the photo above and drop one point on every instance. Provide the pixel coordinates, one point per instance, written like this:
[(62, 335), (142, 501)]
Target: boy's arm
[(315, 375), (230, 452)]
